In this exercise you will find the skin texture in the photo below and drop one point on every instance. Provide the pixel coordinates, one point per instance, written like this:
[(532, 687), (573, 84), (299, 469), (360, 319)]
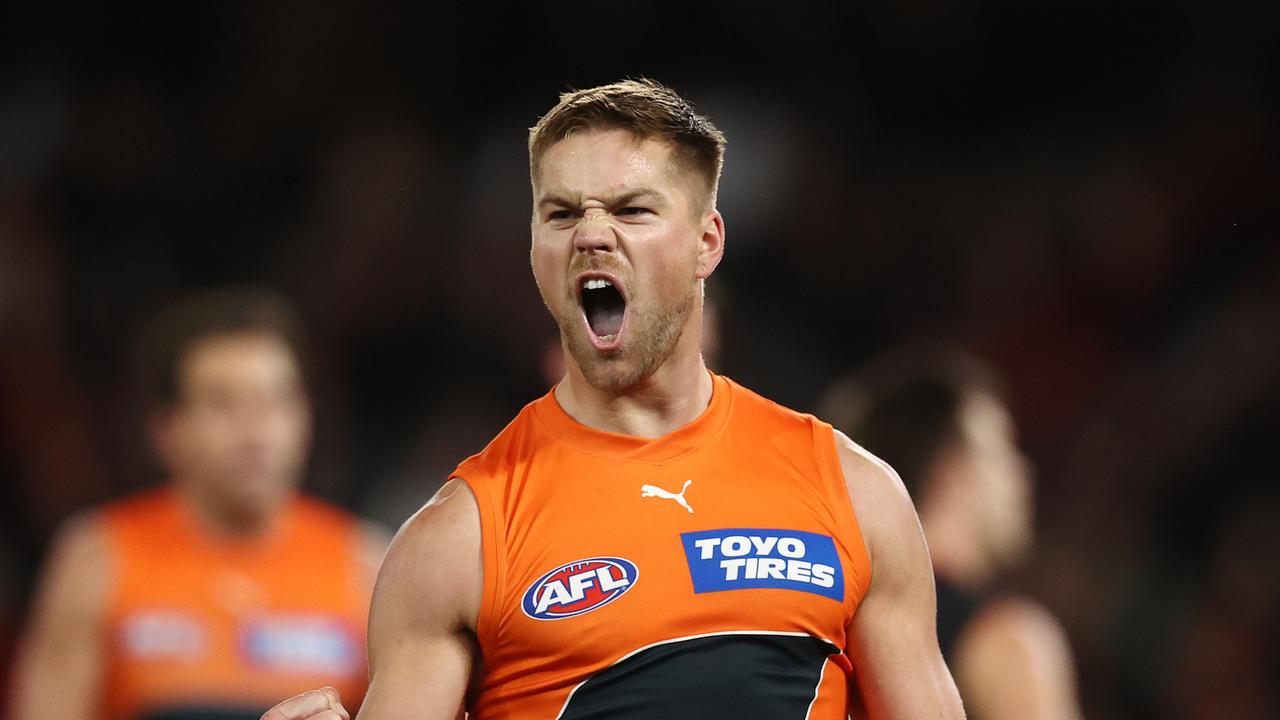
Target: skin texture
[(1012, 660), (235, 444), (603, 200), (609, 202), (898, 668), (237, 438), (58, 668)]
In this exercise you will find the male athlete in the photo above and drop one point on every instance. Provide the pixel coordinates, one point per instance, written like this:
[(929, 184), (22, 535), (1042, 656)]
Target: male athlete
[(200, 600), (781, 572), (939, 418)]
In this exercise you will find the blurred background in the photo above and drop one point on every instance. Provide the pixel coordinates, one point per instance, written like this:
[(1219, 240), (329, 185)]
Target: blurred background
[(1087, 197)]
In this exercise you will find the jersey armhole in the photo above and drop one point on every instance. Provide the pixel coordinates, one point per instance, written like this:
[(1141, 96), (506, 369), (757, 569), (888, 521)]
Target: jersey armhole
[(493, 570), (828, 458)]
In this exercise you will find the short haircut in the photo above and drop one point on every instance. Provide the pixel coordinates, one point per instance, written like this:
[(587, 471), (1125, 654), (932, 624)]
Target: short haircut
[(166, 341), (907, 406), (645, 108)]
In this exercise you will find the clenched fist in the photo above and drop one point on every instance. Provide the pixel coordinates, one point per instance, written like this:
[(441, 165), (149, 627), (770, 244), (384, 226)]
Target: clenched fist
[(321, 704)]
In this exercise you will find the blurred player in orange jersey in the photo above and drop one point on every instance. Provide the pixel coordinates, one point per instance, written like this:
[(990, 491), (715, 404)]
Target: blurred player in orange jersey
[(213, 596), (939, 418), (649, 540)]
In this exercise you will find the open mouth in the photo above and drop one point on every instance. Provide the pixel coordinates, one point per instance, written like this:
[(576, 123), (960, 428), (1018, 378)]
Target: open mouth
[(605, 309)]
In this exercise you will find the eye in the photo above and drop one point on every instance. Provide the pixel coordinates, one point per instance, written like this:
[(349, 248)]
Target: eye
[(634, 211), (559, 215)]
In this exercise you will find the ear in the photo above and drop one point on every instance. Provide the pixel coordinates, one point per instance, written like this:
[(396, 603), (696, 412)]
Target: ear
[(710, 245)]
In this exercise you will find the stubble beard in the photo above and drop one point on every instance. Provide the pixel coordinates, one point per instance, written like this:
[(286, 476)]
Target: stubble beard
[(652, 331)]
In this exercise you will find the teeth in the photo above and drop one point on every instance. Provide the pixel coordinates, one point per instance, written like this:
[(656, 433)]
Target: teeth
[(597, 284)]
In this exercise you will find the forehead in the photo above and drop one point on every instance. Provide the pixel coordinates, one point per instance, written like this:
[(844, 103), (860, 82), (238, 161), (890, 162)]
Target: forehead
[(592, 162), (237, 357)]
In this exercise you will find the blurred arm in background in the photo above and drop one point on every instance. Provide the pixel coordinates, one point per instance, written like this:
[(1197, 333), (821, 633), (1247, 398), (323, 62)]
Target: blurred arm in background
[(59, 665)]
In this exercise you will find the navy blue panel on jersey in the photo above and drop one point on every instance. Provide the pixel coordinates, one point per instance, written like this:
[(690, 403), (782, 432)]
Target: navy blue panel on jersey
[(740, 676)]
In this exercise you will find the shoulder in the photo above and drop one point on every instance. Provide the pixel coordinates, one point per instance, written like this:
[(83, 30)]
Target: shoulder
[(1014, 627), (81, 540), (752, 404), (880, 500), (435, 560), (777, 426), (78, 565), (451, 512), (1013, 660)]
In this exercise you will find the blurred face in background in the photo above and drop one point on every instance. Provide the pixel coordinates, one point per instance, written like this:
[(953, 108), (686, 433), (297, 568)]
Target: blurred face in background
[(997, 493), (617, 251), (237, 435)]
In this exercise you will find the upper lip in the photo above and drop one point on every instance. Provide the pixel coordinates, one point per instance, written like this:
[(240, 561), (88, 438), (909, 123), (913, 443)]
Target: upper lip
[(593, 274)]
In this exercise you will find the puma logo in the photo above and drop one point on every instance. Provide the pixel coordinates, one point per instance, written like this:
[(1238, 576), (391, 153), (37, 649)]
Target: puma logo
[(655, 491)]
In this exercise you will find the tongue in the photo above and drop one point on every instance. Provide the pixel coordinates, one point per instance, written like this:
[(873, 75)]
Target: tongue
[(605, 319)]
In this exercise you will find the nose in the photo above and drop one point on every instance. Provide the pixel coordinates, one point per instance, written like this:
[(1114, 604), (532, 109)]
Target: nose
[(595, 234)]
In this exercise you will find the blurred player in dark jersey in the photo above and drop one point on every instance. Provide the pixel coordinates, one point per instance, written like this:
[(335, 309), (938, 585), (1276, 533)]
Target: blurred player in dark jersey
[(196, 600), (939, 418)]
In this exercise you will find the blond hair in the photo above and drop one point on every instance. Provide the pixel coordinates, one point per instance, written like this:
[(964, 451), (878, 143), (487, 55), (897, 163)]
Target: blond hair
[(648, 110)]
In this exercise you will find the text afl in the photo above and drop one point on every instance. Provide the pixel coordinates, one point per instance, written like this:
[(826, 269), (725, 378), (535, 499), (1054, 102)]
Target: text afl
[(579, 587)]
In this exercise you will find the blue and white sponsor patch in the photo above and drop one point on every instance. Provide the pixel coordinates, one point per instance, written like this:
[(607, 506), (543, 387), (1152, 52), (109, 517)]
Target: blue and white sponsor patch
[(163, 635), (745, 558), (317, 644)]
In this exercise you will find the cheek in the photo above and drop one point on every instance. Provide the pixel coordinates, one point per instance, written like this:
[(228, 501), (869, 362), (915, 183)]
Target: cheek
[(548, 263), (297, 432), (672, 269), (200, 439)]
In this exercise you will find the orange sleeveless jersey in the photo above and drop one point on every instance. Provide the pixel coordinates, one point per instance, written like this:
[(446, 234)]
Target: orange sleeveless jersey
[(202, 627), (708, 573)]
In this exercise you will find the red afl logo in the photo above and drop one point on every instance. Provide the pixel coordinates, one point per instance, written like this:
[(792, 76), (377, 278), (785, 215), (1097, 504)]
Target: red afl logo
[(579, 587)]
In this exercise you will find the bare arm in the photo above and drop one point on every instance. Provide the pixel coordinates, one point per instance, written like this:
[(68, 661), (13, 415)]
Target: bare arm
[(369, 551), (58, 668), (893, 638), (1014, 663), (422, 620)]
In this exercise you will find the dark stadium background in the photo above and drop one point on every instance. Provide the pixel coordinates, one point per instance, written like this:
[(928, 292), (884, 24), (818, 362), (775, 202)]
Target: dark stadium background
[(1085, 195)]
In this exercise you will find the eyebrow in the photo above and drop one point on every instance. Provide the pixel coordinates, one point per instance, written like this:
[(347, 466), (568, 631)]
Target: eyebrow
[(625, 198)]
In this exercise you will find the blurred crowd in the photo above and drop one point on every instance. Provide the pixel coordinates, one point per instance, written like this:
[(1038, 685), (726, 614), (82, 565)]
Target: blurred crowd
[(1085, 197)]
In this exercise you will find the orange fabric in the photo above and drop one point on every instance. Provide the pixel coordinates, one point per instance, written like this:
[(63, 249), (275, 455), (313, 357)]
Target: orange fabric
[(201, 622), (552, 491)]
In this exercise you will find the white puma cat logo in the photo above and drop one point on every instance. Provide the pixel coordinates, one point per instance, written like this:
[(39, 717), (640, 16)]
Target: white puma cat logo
[(654, 491)]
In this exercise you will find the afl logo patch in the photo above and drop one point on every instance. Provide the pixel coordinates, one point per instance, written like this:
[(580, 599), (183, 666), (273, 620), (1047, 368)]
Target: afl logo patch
[(579, 587)]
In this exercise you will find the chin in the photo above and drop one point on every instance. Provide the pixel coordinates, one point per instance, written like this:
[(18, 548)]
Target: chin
[(1013, 552), (612, 376), (262, 500)]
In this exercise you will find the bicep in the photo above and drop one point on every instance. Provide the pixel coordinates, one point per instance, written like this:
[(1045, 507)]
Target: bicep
[(893, 639), (421, 622), (58, 666)]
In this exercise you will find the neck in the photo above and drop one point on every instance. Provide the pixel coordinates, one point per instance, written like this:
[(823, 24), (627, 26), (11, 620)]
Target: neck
[(671, 397), (223, 520)]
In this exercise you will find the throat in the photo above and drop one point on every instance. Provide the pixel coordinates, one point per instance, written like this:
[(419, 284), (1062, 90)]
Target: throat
[(653, 410)]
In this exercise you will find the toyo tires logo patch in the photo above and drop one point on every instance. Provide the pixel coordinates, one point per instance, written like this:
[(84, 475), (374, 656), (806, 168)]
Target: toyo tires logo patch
[(579, 587)]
